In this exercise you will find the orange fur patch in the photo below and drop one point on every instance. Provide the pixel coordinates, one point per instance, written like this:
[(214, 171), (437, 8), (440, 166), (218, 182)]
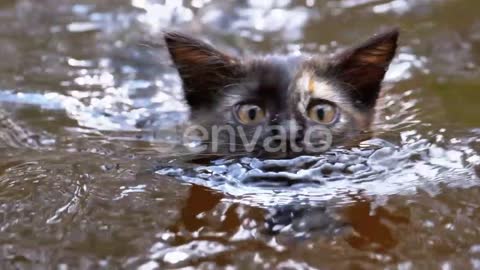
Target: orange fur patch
[(311, 85)]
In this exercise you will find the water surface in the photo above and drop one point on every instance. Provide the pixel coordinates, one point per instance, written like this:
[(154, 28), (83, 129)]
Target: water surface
[(91, 176)]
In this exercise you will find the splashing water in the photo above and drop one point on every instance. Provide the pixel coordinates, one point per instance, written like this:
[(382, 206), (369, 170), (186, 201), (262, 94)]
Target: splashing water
[(376, 168)]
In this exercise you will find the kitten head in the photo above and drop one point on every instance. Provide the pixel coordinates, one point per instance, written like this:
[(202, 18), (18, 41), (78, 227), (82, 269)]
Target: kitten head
[(281, 105)]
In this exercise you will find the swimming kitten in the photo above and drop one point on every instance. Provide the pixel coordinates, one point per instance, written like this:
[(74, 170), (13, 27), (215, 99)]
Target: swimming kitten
[(281, 105)]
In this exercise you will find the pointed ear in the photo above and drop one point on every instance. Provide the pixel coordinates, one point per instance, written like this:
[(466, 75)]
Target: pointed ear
[(364, 67), (203, 69)]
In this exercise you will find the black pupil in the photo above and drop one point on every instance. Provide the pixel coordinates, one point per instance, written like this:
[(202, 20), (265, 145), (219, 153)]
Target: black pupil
[(252, 112), (320, 113)]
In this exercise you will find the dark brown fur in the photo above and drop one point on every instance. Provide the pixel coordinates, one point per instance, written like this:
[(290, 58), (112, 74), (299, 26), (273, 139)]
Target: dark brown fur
[(215, 82)]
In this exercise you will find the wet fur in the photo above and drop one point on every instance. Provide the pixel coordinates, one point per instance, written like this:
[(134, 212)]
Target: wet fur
[(215, 82)]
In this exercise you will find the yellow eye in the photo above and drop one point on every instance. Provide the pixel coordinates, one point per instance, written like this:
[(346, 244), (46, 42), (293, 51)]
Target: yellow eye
[(249, 114), (323, 113)]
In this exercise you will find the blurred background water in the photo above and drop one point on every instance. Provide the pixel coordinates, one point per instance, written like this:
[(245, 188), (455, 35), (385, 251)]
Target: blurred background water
[(91, 176)]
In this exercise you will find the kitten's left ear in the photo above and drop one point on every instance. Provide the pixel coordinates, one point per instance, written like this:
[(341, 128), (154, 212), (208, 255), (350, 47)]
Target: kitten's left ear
[(364, 67)]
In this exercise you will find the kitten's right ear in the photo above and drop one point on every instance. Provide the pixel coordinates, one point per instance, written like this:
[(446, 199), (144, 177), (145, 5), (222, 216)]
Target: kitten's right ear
[(203, 69), (363, 67)]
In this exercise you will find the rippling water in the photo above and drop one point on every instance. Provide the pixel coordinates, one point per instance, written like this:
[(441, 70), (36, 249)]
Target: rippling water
[(92, 176)]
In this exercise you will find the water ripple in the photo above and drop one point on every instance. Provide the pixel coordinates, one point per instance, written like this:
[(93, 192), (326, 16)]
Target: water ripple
[(376, 168)]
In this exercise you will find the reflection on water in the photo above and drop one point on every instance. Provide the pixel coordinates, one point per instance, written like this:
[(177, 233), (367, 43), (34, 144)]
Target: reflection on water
[(91, 176)]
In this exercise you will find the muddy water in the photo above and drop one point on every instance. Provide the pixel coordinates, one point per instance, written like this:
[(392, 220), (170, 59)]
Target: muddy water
[(91, 176)]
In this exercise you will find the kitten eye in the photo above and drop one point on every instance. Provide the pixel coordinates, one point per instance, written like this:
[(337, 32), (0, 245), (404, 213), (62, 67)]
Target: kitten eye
[(249, 114), (323, 113)]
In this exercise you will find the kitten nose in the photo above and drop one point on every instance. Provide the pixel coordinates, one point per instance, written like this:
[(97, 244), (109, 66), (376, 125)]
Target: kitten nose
[(293, 132), (294, 137), (291, 127), (288, 128), (290, 136)]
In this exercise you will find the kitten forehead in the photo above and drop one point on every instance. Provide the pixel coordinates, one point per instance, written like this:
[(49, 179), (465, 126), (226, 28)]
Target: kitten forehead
[(316, 87)]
